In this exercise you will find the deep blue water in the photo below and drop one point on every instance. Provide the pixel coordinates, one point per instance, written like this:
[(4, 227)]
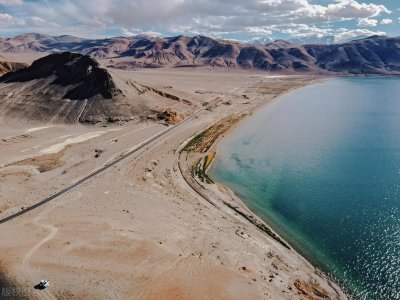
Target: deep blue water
[(322, 166)]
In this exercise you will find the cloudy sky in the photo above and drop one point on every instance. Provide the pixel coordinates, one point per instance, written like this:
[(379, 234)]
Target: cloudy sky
[(230, 19)]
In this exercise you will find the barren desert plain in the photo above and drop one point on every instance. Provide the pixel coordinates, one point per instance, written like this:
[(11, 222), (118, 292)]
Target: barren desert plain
[(200, 150), (151, 226)]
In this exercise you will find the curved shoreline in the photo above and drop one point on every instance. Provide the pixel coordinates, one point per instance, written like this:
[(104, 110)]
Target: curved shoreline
[(238, 206), (199, 247)]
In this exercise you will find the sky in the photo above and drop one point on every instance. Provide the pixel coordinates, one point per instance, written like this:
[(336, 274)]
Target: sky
[(243, 20)]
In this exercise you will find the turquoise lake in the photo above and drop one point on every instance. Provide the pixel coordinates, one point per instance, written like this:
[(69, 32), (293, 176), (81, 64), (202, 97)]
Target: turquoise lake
[(321, 165)]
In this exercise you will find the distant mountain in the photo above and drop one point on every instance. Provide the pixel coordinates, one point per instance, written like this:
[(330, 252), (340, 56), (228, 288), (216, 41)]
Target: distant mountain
[(261, 41), (372, 55), (354, 38), (327, 39), (9, 66), (278, 44)]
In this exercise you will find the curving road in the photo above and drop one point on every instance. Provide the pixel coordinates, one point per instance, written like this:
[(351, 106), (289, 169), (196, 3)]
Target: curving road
[(100, 170)]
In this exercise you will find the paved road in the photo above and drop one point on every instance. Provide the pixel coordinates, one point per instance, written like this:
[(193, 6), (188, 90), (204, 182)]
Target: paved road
[(99, 170)]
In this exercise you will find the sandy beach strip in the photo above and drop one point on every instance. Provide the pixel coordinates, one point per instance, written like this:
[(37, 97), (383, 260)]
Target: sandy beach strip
[(206, 155)]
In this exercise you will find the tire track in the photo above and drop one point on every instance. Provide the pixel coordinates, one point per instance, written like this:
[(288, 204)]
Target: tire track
[(26, 262)]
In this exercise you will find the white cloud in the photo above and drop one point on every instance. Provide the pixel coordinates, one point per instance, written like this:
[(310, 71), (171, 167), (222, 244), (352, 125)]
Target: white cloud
[(151, 33), (202, 15), (258, 30), (136, 31), (126, 32), (36, 21), (368, 22), (344, 34), (211, 17), (353, 9), (6, 18), (11, 2), (386, 21), (311, 34)]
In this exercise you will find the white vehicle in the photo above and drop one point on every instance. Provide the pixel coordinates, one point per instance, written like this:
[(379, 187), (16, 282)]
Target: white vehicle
[(44, 283)]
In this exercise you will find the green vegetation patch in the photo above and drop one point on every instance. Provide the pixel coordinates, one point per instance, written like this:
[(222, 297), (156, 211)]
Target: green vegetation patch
[(199, 171), (203, 141)]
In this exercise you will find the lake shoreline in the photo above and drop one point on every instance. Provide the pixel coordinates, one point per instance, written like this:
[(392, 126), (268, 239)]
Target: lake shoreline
[(242, 204), (308, 166), (237, 205)]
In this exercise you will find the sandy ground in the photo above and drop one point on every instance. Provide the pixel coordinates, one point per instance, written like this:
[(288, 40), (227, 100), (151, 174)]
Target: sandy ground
[(139, 230), (27, 58)]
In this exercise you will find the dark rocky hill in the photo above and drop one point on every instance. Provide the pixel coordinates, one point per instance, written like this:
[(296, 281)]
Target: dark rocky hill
[(73, 88), (79, 72), (64, 87)]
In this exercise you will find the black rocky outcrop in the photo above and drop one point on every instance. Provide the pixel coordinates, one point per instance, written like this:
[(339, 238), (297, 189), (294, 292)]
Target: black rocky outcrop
[(81, 72)]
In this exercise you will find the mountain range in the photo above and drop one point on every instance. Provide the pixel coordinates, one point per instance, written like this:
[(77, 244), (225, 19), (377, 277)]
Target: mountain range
[(372, 55), (77, 79)]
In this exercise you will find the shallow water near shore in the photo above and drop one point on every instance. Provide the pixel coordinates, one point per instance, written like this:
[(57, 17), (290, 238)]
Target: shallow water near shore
[(322, 166)]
